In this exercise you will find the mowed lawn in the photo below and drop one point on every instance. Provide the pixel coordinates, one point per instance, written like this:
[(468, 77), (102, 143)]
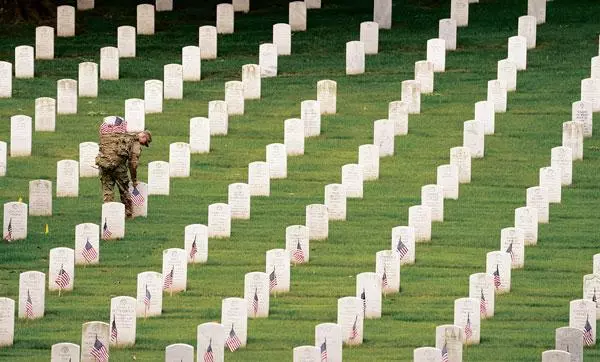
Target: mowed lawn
[(525, 318)]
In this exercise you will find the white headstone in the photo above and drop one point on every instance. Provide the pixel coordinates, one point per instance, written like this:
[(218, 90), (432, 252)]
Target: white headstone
[(196, 243), (2, 158), (15, 221), (427, 354), (140, 199), (109, 63), (424, 75), (210, 339), (369, 35), (293, 136), (383, 136), (550, 178), (123, 321), (507, 72), (24, 61), (45, 114), (87, 244), (528, 28), (582, 315), (40, 198), (65, 352), (88, 79), (517, 51), (251, 81), (225, 18), (313, 4), (572, 137), (484, 111), (173, 81), (256, 294), (459, 12), (450, 338), (537, 197), (571, 340), (329, 336), (207, 35), (259, 180), (537, 8), (352, 179), (447, 177), (67, 178), (135, 115), (355, 57), (306, 354), (467, 316), (297, 243), (411, 95), (447, 31), (432, 196), (350, 315), (164, 5), (590, 92), (317, 221), (179, 352), (267, 60), (461, 158), (382, 13), (113, 221), (436, 54), (94, 334), (562, 158), (85, 5), (219, 117), (44, 42), (556, 356), (368, 159), (32, 294), (297, 15), (219, 220), (7, 322), (234, 97), (387, 267), (5, 80), (234, 317), (239, 200), (582, 112), (310, 112), (179, 159), (153, 96), (158, 178), (241, 5), (481, 287), (174, 270), (595, 67), (398, 112), (496, 93), (403, 243), (149, 294), (335, 200), (126, 41), (512, 241), (596, 264), (526, 219), (282, 38), (591, 290), (190, 61), (498, 265), (474, 137), (199, 135), (419, 217), (66, 96), (277, 160), (278, 269), (65, 21), (327, 96), (145, 19)]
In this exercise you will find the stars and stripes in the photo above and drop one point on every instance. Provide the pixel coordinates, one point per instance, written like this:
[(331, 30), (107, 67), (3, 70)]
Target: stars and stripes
[(113, 124), (483, 304), (255, 302), (272, 280), (468, 328), (401, 248), (384, 280), (233, 342), (588, 338), (137, 198), (147, 298), (510, 251), (106, 233), (298, 254), (99, 351), (62, 279), (354, 330), (114, 333), (324, 351), (89, 253), (363, 296), (29, 306), (9, 231), (208, 354), (168, 282), (496, 274), (194, 249), (445, 357)]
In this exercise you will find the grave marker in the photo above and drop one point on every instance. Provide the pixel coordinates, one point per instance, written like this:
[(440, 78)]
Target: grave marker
[(355, 57), (123, 321), (297, 243), (5, 80), (507, 72), (24, 61), (369, 35), (196, 243), (481, 287), (149, 294), (241, 5), (526, 219), (145, 19), (66, 96), (306, 354), (461, 158), (328, 336), (293, 136), (403, 243), (174, 270), (85, 5), (550, 178), (109, 63), (582, 315), (590, 92), (113, 221), (570, 339), (562, 158), (382, 13), (512, 241), (572, 137), (278, 268), (67, 178), (498, 265), (432, 196), (517, 51), (556, 356), (528, 28), (447, 31), (383, 136), (2, 158), (310, 112), (459, 12), (317, 221), (15, 221), (537, 197), (387, 267), (140, 199), (277, 160), (350, 318), (164, 5), (210, 339), (259, 180), (87, 244), (45, 114), (7, 322), (436, 54), (450, 338), (398, 112), (537, 8), (297, 15), (267, 60), (44, 42), (225, 19), (251, 81), (496, 93), (234, 97), (179, 159), (335, 200), (207, 42), (199, 135), (173, 81), (65, 352), (424, 75), (179, 352), (467, 316), (239, 200), (484, 111), (313, 4), (327, 96), (219, 220), (368, 159), (474, 137), (582, 112), (591, 290), (427, 354), (126, 41), (135, 115), (191, 64), (352, 179), (65, 21), (411, 96), (32, 294), (158, 178), (219, 117), (40, 198), (419, 217), (234, 317), (447, 177), (95, 341), (256, 294), (282, 38)]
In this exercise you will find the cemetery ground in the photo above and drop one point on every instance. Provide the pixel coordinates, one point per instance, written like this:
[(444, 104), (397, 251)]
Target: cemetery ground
[(525, 319)]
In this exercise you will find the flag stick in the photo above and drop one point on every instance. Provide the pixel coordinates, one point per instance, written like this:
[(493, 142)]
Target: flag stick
[(59, 290), (171, 290), (145, 312)]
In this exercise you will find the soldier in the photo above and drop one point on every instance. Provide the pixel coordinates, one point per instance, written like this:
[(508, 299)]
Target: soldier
[(120, 152)]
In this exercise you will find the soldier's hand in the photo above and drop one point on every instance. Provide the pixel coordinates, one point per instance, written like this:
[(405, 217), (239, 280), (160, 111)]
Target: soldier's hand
[(135, 183)]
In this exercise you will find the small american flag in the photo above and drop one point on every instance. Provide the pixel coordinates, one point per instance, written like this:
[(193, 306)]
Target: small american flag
[(496, 275), (208, 355), (9, 236), (89, 253), (445, 353), (147, 298), (113, 124), (401, 248), (99, 352), (324, 351), (384, 280), (363, 296), (298, 254), (255, 302), (588, 339), (272, 280), (136, 197), (233, 342), (510, 251), (483, 304), (468, 328), (194, 249), (168, 283), (354, 331), (29, 306), (62, 279), (114, 334), (106, 233)]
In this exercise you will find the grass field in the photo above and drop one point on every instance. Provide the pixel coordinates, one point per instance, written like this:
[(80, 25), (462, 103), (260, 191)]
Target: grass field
[(525, 319)]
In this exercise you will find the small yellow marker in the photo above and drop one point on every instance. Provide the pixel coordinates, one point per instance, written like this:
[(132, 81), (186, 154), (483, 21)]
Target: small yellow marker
[(46, 229)]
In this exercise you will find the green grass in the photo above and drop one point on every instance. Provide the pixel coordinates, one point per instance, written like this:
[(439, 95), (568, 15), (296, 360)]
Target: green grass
[(525, 319)]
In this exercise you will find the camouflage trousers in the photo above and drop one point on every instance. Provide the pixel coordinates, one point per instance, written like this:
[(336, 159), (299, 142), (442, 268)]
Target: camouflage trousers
[(120, 177)]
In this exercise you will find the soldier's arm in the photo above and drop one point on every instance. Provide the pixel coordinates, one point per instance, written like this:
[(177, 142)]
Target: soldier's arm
[(134, 158)]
